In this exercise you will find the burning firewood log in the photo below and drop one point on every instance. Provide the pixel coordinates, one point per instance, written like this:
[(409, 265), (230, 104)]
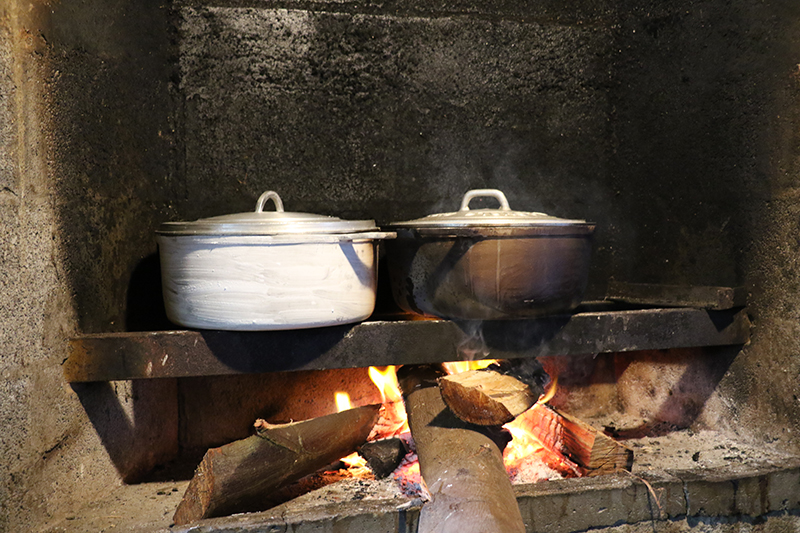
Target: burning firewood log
[(237, 476), (494, 395), (461, 466), (592, 450), (503, 391)]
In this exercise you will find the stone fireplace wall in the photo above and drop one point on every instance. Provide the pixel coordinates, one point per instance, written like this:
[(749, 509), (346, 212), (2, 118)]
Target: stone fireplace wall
[(673, 125)]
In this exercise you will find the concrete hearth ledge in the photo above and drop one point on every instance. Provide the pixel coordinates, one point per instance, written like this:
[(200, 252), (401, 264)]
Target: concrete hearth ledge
[(683, 476), (560, 506)]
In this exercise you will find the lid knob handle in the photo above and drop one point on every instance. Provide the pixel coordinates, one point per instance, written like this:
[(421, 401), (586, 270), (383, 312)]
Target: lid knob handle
[(492, 193), (269, 195)]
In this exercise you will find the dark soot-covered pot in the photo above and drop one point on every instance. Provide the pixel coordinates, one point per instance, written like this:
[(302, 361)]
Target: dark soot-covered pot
[(487, 264)]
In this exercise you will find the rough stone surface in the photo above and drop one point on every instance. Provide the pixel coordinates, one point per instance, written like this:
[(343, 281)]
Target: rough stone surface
[(571, 12), (114, 161), (781, 523), (716, 150), (54, 458), (389, 117)]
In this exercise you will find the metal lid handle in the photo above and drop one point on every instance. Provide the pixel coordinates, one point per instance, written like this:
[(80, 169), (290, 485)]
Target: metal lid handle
[(269, 195), (493, 193)]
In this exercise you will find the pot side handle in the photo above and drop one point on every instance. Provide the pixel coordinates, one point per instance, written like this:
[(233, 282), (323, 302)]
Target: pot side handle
[(492, 193)]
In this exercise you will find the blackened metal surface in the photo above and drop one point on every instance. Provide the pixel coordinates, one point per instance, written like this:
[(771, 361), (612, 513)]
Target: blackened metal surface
[(517, 275), (677, 295), (119, 356)]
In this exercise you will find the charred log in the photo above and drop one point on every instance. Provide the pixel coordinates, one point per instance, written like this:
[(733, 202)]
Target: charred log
[(237, 477), (461, 466)]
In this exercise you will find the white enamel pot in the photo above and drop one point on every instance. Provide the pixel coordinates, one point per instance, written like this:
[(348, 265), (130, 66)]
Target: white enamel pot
[(269, 270)]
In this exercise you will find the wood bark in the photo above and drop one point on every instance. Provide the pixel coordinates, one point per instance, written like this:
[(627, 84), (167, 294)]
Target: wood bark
[(495, 395), (592, 450), (460, 465), (238, 476)]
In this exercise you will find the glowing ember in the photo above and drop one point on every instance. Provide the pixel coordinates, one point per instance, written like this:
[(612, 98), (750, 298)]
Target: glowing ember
[(523, 444), (408, 477), (354, 461), (357, 466)]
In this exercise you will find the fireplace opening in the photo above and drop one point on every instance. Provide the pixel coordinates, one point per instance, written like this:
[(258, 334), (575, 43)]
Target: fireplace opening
[(659, 404)]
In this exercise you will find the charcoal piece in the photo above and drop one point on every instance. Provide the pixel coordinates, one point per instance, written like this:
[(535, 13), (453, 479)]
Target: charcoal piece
[(384, 456)]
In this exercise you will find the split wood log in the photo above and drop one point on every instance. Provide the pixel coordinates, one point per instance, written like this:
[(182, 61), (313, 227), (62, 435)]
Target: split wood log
[(595, 452), (236, 477), (460, 465), (486, 398), (494, 395)]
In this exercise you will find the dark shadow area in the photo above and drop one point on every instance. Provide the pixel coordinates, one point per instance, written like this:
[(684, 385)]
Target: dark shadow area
[(522, 335), (385, 304), (721, 319), (138, 436), (145, 310), (181, 468), (285, 350), (116, 154), (216, 410)]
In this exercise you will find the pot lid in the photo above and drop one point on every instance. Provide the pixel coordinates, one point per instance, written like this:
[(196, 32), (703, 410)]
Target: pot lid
[(503, 216), (260, 222)]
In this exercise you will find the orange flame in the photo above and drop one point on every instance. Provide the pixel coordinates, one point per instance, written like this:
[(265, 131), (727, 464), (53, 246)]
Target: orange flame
[(524, 442), (394, 420), (342, 401), (456, 367), (551, 391), (386, 381)]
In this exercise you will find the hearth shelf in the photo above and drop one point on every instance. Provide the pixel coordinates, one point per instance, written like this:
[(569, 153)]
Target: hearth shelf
[(400, 340)]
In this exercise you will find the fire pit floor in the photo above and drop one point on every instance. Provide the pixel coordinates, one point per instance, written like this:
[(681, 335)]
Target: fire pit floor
[(678, 475)]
